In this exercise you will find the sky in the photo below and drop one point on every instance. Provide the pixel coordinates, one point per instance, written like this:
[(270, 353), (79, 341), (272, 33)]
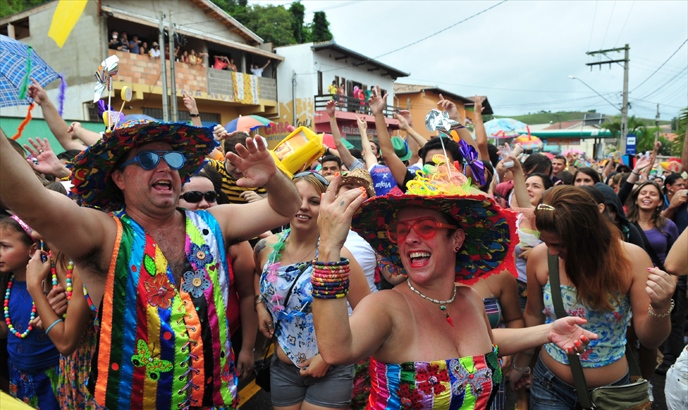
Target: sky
[(520, 54)]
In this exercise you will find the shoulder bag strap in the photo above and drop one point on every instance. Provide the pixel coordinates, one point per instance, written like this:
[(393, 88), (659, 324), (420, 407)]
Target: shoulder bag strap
[(574, 360)]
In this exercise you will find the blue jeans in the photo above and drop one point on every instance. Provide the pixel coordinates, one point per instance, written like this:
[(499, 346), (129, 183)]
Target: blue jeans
[(548, 392)]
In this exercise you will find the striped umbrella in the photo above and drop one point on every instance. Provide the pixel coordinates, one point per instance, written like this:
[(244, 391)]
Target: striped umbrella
[(246, 123)]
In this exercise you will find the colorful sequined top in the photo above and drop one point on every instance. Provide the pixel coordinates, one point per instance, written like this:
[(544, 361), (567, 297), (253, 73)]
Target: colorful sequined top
[(455, 384), (294, 328), (610, 327), (165, 345)]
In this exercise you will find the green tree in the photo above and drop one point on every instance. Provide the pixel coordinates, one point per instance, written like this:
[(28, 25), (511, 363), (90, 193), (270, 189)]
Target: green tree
[(298, 13), (681, 129), (271, 23), (320, 29), (9, 7)]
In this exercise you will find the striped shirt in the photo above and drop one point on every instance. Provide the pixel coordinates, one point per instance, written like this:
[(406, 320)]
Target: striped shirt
[(229, 185)]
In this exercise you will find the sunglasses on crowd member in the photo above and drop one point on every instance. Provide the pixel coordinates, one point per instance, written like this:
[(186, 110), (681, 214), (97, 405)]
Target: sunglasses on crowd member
[(425, 227), (150, 159), (195, 197), (315, 174)]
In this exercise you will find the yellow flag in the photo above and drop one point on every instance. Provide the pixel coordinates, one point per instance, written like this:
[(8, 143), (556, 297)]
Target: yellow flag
[(66, 15)]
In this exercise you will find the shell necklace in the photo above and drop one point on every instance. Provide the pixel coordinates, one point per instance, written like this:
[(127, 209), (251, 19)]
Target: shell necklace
[(442, 303)]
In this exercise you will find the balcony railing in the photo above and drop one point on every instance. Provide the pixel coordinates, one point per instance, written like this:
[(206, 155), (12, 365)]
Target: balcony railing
[(350, 104), (142, 69)]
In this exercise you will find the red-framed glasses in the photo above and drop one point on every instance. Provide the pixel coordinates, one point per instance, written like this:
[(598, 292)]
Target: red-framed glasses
[(425, 227)]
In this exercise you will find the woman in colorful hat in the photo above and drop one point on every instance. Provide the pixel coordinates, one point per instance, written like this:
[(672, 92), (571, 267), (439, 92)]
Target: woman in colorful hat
[(429, 338), (603, 279)]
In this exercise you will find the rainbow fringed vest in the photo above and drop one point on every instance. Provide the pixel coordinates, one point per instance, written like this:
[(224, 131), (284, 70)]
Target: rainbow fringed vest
[(164, 345)]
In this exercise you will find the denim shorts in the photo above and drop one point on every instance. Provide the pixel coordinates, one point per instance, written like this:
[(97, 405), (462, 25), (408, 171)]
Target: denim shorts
[(676, 385), (288, 387), (547, 391)]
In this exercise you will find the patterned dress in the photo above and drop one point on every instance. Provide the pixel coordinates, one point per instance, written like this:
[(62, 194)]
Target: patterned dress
[(465, 383)]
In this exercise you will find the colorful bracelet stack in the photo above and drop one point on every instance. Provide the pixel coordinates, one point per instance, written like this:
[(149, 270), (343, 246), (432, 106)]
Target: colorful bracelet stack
[(330, 280)]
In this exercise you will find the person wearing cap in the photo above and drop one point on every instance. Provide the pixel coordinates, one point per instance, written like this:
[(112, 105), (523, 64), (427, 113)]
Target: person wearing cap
[(430, 343), (158, 273), (154, 50)]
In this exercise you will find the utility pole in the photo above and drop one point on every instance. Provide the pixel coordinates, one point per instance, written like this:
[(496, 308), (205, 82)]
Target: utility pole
[(163, 70), (173, 77), (624, 108)]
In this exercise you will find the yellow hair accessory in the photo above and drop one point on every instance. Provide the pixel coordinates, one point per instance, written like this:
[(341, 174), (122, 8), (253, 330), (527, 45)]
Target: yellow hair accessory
[(440, 179)]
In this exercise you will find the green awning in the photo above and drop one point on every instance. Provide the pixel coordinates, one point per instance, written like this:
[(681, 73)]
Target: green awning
[(37, 127)]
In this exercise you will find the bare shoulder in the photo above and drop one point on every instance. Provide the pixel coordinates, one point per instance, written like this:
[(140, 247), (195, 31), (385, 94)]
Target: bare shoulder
[(636, 254)]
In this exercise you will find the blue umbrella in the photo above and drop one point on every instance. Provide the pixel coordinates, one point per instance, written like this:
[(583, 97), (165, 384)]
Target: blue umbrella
[(504, 128), (15, 57)]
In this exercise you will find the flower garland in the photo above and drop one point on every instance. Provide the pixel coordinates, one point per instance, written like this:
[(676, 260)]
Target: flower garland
[(6, 308)]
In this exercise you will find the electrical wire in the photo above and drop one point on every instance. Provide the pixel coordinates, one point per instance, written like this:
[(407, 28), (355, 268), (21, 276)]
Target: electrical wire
[(592, 28), (415, 42), (611, 16), (665, 84), (662, 65), (625, 21)]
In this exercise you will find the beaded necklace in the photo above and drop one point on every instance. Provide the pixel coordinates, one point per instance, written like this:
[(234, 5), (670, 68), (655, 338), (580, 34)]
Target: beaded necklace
[(442, 303), (6, 307), (69, 274)]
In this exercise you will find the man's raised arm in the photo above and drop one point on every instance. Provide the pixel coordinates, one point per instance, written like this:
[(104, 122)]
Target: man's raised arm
[(80, 232), (343, 151)]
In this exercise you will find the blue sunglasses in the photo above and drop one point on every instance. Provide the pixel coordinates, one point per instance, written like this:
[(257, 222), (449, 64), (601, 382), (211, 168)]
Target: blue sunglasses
[(150, 159), (315, 174)]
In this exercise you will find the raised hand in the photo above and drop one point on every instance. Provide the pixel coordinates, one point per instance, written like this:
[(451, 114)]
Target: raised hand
[(189, 102), (376, 102), (478, 107), (362, 123), (220, 133), (46, 160), (330, 107), (37, 93), (254, 162), (37, 270), (404, 118), (335, 216), (450, 108), (643, 162), (567, 334)]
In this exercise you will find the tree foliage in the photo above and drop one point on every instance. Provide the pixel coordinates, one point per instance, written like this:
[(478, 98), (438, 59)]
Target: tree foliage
[(298, 14), (320, 29), (9, 7)]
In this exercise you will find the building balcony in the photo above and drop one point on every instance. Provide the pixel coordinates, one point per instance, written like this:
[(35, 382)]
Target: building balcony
[(143, 75)]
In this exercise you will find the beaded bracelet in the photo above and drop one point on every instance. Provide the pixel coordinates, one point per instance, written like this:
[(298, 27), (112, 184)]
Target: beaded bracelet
[(51, 326), (341, 262), (665, 314)]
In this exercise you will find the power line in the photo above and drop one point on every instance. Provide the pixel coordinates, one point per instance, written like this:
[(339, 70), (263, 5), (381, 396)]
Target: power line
[(625, 21), (493, 88), (660, 67), (611, 16), (665, 84), (592, 28), (415, 42)]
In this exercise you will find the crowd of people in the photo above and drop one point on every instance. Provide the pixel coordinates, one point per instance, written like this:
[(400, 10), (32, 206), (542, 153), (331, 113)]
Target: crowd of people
[(410, 274)]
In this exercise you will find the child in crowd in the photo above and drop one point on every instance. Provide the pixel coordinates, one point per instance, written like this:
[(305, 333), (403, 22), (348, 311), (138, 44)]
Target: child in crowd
[(33, 359)]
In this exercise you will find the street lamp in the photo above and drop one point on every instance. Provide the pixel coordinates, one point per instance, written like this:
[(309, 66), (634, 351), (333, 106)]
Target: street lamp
[(573, 77), (623, 109)]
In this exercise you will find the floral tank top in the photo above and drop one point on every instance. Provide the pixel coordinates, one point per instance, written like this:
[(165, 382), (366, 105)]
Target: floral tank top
[(610, 327), (465, 383)]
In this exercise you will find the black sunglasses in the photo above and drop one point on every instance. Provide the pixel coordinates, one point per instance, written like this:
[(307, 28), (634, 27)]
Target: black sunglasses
[(150, 159), (195, 197)]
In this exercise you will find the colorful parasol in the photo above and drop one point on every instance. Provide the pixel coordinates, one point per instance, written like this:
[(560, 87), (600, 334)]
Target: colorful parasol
[(504, 128), (247, 123), (529, 142), (19, 63)]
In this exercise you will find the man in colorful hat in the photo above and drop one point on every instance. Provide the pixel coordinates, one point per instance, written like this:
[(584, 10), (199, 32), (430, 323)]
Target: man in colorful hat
[(158, 273)]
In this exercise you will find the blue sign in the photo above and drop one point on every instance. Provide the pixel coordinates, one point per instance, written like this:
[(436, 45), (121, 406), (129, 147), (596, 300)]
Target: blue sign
[(630, 144)]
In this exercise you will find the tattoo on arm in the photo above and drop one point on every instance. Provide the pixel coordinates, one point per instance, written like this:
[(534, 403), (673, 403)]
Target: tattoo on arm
[(260, 246)]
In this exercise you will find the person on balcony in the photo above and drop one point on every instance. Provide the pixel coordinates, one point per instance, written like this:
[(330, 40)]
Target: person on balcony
[(115, 42), (258, 71), (154, 51), (134, 44), (221, 62)]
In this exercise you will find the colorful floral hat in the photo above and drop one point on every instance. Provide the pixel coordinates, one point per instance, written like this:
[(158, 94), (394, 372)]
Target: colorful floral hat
[(490, 229), (92, 168)]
